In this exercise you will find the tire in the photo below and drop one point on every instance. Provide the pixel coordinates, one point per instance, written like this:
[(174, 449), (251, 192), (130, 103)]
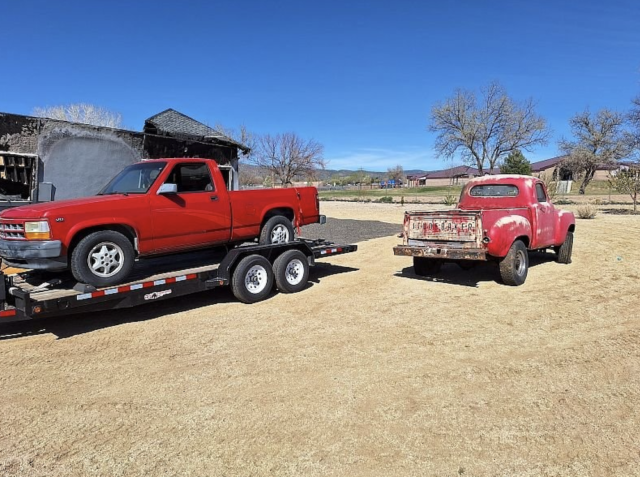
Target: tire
[(278, 229), (565, 250), (291, 271), (102, 259), (515, 266), (426, 266), (252, 279)]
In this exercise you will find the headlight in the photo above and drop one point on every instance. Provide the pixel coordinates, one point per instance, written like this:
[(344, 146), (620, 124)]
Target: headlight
[(37, 230)]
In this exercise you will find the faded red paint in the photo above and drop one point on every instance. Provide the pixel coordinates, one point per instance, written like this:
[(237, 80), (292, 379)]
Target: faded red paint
[(484, 227)]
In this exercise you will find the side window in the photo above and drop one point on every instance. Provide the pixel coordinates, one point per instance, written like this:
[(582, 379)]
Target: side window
[(193, 177), (542, 197)]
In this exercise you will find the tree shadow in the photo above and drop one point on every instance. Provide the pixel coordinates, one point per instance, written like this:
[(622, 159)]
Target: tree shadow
[(89, 321), (483, 272)]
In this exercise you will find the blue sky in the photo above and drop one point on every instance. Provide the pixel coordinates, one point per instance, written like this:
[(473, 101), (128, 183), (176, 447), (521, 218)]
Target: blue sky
[(360, 77)]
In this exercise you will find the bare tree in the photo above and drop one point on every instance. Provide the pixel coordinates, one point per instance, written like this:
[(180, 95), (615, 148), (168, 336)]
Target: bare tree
[(241, 135), (396, 173), (484, 130), (81, 113), (600, 139), (287, 156)]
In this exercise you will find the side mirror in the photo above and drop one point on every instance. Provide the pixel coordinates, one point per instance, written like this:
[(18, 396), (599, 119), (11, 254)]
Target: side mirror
[(167, 188)]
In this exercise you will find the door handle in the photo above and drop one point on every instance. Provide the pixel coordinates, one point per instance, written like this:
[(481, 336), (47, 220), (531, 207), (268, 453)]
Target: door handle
[(214, 198)]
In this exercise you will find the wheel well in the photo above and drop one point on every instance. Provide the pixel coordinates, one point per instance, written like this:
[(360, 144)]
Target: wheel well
[(288, 213), (524, 240), (572, 228), (123, 229)]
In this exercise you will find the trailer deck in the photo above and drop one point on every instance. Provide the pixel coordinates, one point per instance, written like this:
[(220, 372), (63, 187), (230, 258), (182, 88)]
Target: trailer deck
[(31, 294)]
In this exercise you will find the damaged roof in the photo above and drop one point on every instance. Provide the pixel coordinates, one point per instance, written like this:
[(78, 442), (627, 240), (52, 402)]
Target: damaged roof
[(174, 123)]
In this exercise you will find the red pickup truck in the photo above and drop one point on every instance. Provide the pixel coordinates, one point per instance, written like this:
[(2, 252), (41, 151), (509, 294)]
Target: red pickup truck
[(150, 208), (498, 218)]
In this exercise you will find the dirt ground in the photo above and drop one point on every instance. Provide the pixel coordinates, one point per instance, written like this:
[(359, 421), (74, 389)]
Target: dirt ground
[(369, 371)]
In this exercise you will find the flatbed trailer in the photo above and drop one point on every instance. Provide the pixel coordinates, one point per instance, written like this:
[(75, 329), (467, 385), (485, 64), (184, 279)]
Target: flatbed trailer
[(250, 270)]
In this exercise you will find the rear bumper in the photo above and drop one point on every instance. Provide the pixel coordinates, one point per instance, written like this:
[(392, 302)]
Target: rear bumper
[(441, 251), (40, 255)]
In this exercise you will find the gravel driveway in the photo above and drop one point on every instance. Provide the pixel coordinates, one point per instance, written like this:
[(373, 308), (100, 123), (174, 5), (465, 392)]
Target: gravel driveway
[(349, 231)]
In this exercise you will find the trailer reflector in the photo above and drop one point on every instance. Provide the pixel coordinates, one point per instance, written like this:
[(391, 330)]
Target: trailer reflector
[(7, 313), (137, 286)]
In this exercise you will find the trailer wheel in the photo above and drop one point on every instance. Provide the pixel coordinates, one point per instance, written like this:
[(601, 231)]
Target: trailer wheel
[(426, 266), (103, 258), (291, 270), (252, 279), (278, 229), (515, 266), (564, 251)]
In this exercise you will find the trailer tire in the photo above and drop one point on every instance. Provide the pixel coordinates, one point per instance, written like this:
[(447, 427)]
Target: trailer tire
[(278, 229), (291, 271), (426, 266), (252, 279), (564, 251), (515, 265), (102, 259)]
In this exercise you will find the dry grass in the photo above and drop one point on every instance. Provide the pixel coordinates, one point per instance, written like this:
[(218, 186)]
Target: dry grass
[(370, 371), (586, 211)]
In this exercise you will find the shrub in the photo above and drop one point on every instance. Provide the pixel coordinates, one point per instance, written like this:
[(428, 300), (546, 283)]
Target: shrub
[(587, 211), (450, 199), (386, 200)]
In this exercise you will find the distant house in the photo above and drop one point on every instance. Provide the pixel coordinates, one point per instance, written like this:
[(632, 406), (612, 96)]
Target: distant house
[(79, 159), (556, 168), (451, 176)]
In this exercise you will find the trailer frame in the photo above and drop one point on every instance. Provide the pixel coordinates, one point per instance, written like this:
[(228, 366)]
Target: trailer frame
[(18, 303)]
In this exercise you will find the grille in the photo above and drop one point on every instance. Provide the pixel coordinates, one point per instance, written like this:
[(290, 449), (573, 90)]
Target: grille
[(11, 231)]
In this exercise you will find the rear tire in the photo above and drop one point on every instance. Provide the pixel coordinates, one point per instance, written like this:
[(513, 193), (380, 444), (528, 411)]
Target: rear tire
[(515, 266), (565, 250), (102, 259), (426, 266), (278, 229), (291, 271), (252, 279)]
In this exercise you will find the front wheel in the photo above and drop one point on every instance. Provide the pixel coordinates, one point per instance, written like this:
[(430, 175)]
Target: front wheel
[(278, 229), (291, 270), (515, 266), (102, 259), (564, 251), (252, 279)]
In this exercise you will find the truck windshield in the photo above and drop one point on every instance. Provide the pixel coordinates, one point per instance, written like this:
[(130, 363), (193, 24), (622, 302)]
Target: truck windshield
[(135, 179), (494, 190)]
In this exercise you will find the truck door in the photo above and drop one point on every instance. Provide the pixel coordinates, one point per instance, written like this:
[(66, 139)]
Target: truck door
[(194, 216), (544, 213)]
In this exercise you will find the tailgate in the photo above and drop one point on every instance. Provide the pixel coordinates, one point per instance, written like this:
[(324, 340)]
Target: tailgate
[(443, 226)]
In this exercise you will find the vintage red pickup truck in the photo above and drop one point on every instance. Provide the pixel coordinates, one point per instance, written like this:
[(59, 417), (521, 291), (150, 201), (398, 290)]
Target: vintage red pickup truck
[(150, 208), (500, 217)]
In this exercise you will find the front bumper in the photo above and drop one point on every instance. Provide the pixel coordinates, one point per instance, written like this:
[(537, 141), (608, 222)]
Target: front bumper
[(441, 251), (40, 255)]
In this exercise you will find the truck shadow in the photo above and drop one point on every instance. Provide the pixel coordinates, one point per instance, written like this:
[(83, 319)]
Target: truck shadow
[(482, 272), (87, 322)]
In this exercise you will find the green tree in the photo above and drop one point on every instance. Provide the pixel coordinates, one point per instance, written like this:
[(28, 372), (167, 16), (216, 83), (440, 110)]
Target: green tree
[(516, 163), (627, 182)]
